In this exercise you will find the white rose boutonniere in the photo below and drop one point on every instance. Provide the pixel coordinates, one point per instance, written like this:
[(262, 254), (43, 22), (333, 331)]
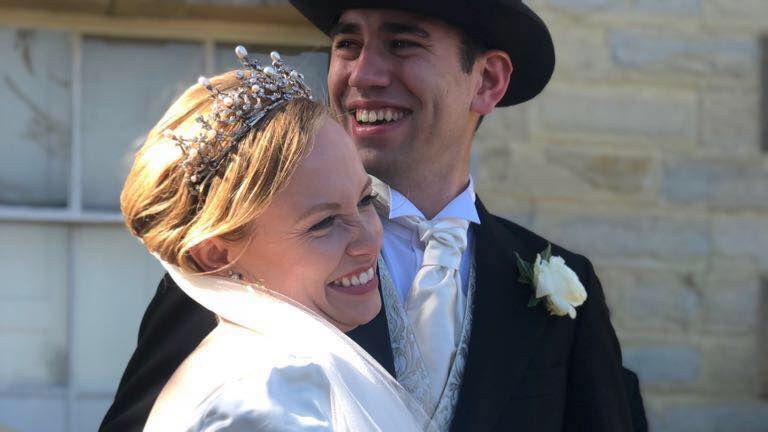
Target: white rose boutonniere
[(554, 282)]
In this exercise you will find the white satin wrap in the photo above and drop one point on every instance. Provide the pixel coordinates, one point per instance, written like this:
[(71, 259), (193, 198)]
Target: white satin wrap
[(273, 365)]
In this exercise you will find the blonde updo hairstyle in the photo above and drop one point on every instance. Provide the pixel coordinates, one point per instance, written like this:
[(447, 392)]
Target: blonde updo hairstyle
[(161, 210)]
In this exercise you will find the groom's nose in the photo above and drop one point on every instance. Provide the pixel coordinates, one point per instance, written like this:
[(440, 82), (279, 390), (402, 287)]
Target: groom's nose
[(370, 69)]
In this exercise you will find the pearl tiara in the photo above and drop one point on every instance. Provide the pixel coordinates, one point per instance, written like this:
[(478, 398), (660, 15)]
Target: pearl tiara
[(261, 89)]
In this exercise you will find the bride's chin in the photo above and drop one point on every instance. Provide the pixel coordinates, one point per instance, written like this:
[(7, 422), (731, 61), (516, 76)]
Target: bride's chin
[(354, 309)]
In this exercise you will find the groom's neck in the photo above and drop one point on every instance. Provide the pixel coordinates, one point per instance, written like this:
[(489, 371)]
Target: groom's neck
[(431, 191)]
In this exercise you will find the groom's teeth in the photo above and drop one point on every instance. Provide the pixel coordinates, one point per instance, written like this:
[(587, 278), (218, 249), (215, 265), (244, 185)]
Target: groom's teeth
[(372, 116)]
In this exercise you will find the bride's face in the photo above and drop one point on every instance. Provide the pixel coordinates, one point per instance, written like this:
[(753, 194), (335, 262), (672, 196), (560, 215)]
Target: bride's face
[(321, 235)]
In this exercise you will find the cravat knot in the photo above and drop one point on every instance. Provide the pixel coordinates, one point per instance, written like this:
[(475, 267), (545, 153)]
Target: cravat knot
[(445, 240)]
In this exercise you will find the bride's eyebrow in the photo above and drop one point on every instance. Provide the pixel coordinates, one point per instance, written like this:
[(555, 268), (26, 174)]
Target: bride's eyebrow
[(318, 208)]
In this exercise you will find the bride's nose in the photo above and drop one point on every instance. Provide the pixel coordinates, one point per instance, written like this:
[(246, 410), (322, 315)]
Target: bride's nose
[(366, 238)]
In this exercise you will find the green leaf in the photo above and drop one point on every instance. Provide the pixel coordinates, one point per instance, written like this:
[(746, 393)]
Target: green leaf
[(533, 302), (526, 273), (547, 253)]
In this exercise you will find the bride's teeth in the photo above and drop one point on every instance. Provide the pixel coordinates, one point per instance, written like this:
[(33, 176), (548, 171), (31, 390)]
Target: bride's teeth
[(388, 115), (363, 278), (370, 273), (355, 280), (380, 115), (345, 282)]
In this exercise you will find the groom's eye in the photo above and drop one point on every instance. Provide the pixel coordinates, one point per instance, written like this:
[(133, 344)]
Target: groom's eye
[(342, 44), (403, 43)]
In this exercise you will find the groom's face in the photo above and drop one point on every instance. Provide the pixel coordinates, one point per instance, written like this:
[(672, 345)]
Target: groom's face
[(396, 80)]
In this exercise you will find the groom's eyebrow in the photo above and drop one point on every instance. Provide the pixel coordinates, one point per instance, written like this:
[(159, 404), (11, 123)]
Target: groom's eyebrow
[(344, 28), (404, 28), (389, 27)]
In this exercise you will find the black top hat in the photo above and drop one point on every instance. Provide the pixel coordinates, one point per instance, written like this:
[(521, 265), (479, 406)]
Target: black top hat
[(508, 25)]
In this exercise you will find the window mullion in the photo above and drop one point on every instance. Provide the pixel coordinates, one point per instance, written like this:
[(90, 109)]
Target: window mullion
[(74, 205), (209, 56), (75, 202)]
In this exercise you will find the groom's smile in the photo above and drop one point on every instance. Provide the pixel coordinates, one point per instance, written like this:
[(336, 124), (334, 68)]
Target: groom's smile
[(374, 118)]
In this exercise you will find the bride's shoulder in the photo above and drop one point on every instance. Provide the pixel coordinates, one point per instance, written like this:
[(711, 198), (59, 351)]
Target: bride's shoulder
[(292, 396), (239, 374)]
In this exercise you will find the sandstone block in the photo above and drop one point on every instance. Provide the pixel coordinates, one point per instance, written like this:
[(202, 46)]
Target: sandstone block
[(730, 122), (664, 365), (742, 236), (621, 112), (727, 184), (742, 416), (612, 234), (678, 7), (702, 56), (653, 300), (736, 13)]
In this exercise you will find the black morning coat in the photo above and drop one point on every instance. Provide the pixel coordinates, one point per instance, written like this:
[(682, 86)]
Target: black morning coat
[(526, 370)]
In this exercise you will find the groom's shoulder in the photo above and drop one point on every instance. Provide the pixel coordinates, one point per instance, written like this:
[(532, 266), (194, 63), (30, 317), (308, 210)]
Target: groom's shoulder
[(532, 243)]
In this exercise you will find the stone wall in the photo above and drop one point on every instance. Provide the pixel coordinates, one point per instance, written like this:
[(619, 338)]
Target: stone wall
[(644, 154)]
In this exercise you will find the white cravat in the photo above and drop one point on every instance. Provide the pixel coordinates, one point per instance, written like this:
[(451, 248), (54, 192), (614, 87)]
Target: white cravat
[(435, 305)]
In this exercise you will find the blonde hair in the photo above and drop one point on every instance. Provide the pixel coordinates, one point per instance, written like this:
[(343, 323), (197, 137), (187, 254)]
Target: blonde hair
[(160, 209)]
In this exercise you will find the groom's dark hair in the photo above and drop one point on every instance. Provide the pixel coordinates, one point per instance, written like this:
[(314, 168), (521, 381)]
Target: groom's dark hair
[(469, 49)]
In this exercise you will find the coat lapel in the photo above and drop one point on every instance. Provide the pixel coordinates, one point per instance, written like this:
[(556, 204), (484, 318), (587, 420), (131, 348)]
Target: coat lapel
[(504, 330)]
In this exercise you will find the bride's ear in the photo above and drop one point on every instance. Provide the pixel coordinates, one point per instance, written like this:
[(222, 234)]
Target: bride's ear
[(211, 254), (495, 69)]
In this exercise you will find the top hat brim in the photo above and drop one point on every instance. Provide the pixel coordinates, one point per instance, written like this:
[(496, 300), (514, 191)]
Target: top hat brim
[(506, 25)]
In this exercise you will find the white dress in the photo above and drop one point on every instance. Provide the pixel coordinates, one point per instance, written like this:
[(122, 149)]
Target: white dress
[(273, 365)]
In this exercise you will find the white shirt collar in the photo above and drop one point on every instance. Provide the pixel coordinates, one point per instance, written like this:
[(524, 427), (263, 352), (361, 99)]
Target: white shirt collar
[(462, 206)]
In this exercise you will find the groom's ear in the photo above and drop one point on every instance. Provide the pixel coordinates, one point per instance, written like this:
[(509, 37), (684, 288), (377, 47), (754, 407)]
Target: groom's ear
[(495, 68), (211, 254)]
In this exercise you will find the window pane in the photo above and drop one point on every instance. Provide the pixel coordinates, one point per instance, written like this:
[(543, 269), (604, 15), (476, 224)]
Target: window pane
[(33, 305), (127, 86), (35, 107), (312, 62), (115, 278), (33, 413)]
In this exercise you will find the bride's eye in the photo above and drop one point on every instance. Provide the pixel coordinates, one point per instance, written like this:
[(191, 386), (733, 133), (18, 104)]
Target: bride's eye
[(367, 200), (323, 224)]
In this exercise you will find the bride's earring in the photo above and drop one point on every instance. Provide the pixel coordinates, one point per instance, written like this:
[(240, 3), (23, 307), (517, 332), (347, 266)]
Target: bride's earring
[(234, 275)]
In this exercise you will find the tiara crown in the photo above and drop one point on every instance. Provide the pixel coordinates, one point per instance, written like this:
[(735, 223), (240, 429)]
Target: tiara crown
[(235, 112)]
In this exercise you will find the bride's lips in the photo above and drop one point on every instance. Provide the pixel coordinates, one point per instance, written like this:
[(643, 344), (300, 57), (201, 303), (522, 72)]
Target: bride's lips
[(360, 289)]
